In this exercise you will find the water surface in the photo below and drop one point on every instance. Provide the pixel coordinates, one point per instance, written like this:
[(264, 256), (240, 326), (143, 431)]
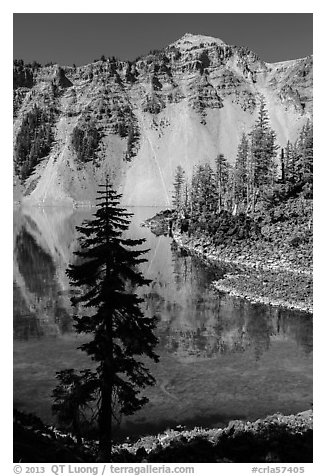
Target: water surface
[(221, 357)]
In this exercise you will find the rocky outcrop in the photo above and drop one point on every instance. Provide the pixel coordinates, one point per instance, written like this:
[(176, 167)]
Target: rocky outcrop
[(178, 106)]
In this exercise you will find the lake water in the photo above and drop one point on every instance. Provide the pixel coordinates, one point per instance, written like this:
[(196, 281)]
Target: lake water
[(221, 358)]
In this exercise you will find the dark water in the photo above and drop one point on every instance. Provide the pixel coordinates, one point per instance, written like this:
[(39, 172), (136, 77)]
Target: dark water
[(221, 357)]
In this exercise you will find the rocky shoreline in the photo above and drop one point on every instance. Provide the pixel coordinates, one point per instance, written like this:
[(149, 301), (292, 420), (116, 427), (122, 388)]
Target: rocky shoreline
[(276, 438), (272, 281), (160, 224)]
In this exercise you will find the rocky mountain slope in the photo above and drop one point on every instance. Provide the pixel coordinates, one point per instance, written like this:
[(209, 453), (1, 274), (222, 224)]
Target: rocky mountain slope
[(138, 120)]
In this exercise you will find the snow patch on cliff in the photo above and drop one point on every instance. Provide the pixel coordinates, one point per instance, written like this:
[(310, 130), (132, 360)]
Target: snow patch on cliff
[(189, 41)]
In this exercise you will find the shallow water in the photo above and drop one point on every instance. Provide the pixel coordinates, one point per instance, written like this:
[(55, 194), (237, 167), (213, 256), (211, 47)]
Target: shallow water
[(221, 357)]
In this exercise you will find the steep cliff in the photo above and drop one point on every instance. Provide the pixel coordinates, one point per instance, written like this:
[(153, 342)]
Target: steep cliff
[(138, 120)]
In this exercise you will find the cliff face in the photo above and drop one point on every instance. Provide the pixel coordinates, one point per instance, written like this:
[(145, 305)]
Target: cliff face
[(138, 120)]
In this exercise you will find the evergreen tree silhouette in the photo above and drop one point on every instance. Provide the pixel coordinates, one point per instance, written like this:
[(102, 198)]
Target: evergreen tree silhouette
[(107, 274)]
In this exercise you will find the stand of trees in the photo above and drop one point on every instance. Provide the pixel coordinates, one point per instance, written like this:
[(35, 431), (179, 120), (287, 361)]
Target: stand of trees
[(23, 73), (253, 183), (107, 278), (85, 140), (33, 141)]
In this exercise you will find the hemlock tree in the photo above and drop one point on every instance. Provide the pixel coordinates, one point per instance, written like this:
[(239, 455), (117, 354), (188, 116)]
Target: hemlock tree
[(299, 157), (282, 160), (208, 188), (108, 276), (73, 399), (305, 145), (263, 151), (200, 190), (178, 184), (263, 148), (203, 188), (222, 176), (241, 171), (271, 151), (288, 164)]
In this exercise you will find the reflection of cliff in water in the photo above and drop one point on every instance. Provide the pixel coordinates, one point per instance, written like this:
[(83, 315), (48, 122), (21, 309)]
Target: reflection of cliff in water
[(198, 322), (220, 357), (194, 321), (43, 246)]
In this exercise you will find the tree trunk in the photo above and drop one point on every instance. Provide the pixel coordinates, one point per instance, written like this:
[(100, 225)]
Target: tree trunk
[(247, 196), (76, 426), (254, 197), (282, 167), (105, 419), (219, 194), (105, 411)]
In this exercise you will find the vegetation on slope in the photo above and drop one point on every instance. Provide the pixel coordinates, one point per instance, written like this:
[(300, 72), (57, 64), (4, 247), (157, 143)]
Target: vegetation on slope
[(250, 203), (33, 141), (278, 438), (152, 85), (253, 214), (24, 73), (85, 140)]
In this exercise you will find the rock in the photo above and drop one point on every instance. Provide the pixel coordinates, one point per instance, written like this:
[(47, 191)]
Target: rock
[(137, 101)]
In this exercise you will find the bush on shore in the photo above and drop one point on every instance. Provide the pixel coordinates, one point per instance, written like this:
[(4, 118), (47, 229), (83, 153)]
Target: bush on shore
[(277, 438)]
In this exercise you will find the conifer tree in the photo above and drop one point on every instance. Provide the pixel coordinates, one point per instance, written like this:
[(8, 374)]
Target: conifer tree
[(241, 170), (294, 164), (259, 136), (271, 152), (263, 151), (178, 184), (74, 397), (306, 153), (202, 190), (221, 179), (299, 157), (282, 160), (195, 192), (207, 188), (288, 164), (107, 275)]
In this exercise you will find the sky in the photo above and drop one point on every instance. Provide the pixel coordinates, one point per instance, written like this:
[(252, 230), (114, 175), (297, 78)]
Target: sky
[(79, 38), (275, 37)]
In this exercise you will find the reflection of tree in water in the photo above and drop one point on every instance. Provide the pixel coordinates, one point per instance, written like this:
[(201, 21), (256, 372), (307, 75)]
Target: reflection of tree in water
[(181, 263), (250, 330), (189, 269), (217, 323), (297, 326), (258, 327), (37, 305)]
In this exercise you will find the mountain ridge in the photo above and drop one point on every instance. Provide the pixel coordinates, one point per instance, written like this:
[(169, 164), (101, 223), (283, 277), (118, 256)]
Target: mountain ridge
[(137, 120)]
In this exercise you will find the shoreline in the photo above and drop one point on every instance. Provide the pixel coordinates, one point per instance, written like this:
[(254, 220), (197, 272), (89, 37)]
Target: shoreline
[(274, 284), (275, 438)]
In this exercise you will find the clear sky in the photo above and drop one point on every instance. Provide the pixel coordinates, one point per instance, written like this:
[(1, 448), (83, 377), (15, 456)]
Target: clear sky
[(79, 38)]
